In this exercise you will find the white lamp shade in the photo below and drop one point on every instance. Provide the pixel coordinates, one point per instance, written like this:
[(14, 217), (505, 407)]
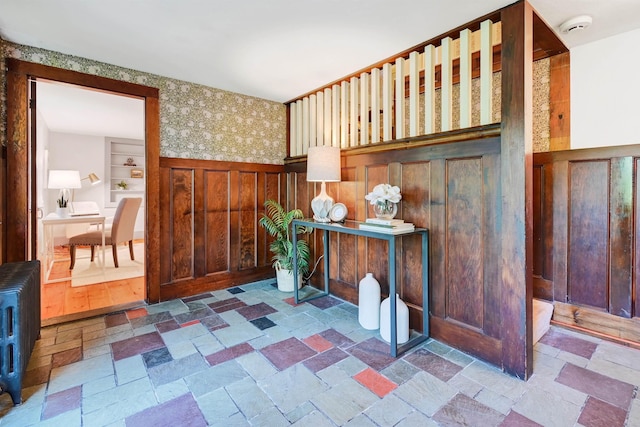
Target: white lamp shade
[(323, 164), (61, 179)]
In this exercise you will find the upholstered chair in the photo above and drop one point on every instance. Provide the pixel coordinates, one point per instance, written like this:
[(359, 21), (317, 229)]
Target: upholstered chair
[(121, 232)]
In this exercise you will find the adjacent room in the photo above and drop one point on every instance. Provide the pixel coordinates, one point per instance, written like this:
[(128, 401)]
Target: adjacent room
[(96, 138)]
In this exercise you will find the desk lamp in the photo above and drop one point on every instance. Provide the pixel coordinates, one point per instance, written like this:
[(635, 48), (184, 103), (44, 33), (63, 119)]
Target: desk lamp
[(93, 178), (323, 165)]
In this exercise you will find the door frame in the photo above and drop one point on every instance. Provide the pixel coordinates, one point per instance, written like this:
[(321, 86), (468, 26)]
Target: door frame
[(16, 230)]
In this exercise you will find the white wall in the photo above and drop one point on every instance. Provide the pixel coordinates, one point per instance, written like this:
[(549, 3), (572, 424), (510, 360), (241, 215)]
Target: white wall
[(605, 92), (84, 153)]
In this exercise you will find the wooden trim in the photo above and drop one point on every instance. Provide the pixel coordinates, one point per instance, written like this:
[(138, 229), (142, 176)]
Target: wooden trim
[(298, 163), (3, 198), (595, 321), (587, 154), (16, 220), (46, 72), (169, 162), (17, 139), (546, 42), (152, 202)]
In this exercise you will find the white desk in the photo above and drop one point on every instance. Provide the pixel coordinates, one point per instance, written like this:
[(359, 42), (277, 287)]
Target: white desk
[(51, 220)]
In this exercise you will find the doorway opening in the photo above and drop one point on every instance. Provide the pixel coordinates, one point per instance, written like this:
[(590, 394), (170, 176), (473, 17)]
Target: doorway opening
[(99, 137), (20, 227)]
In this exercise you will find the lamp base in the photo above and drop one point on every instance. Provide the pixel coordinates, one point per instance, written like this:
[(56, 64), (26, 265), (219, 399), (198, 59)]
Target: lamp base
[(321, 205)]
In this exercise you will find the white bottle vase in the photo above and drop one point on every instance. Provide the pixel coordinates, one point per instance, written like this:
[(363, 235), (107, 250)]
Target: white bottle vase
[(369, 302), (402, 320)]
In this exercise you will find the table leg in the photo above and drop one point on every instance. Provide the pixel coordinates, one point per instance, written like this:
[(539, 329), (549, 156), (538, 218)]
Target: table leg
[(103, 249), (392, 298), (326, 249), (294, 241)]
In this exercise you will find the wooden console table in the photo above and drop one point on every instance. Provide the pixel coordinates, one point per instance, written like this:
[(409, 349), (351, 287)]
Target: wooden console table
[(352, 227)]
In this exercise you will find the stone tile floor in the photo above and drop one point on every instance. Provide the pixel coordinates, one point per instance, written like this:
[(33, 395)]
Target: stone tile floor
[(247, 356)]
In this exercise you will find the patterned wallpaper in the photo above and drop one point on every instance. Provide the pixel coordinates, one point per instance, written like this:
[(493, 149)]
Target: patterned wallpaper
[(201, 122), (196, 121)]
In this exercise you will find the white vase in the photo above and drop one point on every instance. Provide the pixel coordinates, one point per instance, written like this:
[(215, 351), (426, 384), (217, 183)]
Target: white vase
[(369, 302), (285, 280), (402, 320), (62, 212)]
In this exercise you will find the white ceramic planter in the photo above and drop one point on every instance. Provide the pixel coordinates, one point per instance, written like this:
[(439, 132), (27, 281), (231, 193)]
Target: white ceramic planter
[(285, 280)]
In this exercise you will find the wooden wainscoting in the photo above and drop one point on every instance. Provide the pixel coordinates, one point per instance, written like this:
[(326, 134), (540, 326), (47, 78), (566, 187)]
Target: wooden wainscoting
[(450, 185), (209, 214), (585, 242)]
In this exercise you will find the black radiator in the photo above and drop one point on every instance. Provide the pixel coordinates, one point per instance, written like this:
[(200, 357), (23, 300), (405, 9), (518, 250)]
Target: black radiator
[(19, 322)]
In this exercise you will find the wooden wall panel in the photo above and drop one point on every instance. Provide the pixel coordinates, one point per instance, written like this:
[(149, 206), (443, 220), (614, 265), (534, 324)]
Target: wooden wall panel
[(453, 189), (587, 237), (248, 220), (377, 250), (217, 221), (589, 233), (491, 245), (209, 229), (621, 236), (560, 102), (271, 189), (182, 224), (464, 241), (416, 208)]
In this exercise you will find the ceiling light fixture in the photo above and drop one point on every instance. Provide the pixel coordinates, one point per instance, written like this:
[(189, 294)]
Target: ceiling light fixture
[(574, 24)]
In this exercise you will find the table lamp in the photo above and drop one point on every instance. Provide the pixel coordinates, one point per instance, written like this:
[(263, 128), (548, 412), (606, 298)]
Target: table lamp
[(323, 165), (64, 180)]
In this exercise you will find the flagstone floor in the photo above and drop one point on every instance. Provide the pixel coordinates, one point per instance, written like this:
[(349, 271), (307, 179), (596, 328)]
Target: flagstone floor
[(248, 356)]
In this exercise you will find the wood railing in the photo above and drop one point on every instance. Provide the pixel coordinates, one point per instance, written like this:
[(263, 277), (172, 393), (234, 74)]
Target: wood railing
[(446, 84)]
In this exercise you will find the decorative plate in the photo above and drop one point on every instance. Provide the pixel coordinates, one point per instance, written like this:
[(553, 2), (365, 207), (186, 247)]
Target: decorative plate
[(338, 212)]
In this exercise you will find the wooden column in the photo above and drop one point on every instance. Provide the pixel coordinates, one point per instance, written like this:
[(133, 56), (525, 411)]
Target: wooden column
[(517, 189)]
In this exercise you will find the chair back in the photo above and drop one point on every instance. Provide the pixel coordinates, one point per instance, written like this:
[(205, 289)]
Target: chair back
[(124, 220)]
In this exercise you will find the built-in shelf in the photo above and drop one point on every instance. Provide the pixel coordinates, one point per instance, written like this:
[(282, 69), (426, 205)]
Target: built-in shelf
[(125, 162)]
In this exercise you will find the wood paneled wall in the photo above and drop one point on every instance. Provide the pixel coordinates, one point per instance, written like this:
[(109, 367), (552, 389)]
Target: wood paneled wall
[(451, 185), (209, 236), (585, 242)]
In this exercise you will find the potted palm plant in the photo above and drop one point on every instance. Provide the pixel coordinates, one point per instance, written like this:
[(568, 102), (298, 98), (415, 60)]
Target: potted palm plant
[(277, 222)]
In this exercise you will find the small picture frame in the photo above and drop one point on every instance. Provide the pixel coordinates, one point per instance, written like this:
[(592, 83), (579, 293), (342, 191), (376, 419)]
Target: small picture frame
[(338, 212), (137, 173)]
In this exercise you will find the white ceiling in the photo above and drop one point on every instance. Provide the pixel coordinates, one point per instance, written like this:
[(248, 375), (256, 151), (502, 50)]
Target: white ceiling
[(272, 49), (72, 109)]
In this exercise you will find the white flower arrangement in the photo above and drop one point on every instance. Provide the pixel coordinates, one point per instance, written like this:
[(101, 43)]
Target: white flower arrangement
[(384, 193)]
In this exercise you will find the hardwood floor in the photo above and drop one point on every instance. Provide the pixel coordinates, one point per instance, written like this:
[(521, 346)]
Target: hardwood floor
[(61, 302)]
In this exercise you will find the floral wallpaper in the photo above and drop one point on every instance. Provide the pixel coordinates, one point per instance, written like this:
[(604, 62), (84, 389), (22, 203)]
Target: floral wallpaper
[(196, 121)]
